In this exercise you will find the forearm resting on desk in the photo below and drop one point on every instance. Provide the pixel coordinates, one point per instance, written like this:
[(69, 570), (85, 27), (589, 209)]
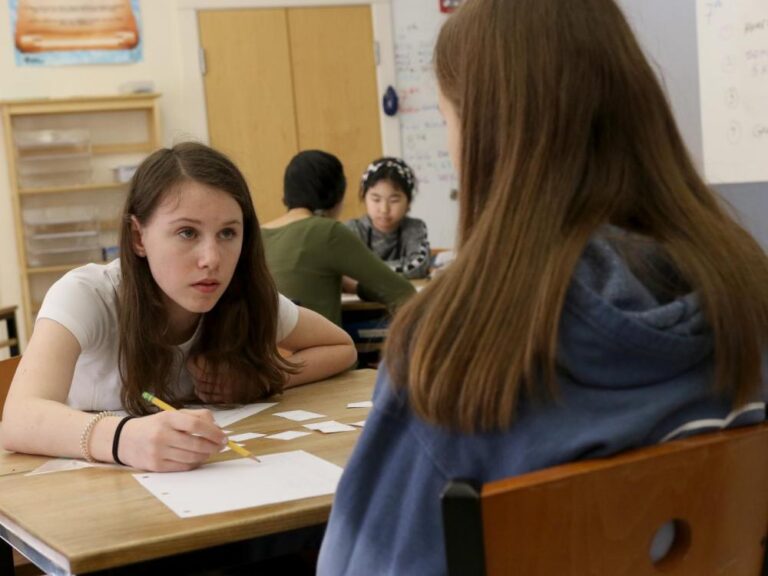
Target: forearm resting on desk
[(166, 441), (50, 428), (319, 347), (321, 362)]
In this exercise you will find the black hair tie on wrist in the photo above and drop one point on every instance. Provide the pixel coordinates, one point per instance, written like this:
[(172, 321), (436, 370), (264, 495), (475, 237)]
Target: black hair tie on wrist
[(116, 440)]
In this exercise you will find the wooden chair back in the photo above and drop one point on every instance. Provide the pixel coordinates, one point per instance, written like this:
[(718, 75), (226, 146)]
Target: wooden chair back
[(599, 517), (7, 370)]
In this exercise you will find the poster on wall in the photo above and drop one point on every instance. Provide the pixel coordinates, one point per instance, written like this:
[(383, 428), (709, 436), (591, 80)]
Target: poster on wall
[(72, 32)]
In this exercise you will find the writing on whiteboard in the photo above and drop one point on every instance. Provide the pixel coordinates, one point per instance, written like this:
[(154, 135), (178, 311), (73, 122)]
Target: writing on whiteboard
[(423, 133), (733, 69)]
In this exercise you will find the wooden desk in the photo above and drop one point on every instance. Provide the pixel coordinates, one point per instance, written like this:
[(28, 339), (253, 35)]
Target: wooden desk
[(351, 302), (8, 315), (97, 519)]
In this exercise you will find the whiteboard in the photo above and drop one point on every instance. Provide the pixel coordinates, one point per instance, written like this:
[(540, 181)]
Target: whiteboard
[(422, 129), (733, 71)]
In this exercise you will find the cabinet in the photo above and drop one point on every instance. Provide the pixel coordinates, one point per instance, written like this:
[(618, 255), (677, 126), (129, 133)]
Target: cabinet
[(69, 162)]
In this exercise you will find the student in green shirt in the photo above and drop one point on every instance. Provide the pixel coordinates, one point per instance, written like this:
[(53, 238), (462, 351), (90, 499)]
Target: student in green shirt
[(309, 252)]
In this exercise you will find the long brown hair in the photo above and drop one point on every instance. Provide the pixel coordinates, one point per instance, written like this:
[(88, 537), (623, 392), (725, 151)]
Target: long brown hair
[(238, 336), (564, 128)]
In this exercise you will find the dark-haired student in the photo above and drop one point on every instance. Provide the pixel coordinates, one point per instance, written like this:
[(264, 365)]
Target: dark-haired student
[(601, 298), (189, 313), (309, 251)]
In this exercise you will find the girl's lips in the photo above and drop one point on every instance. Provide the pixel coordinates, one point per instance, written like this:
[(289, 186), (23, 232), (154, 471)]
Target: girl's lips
[(206, 286)]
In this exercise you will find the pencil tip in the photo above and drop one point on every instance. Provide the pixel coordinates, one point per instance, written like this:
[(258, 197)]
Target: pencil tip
[(254, 459)]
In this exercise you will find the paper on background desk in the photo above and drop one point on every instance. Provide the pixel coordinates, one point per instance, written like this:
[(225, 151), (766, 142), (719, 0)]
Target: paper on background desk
[(242, 483)]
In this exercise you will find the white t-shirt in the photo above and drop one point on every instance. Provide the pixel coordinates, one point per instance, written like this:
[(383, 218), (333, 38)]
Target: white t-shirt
[(84, 301)]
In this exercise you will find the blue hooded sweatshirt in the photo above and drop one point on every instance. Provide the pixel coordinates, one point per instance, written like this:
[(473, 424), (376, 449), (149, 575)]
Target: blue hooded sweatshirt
[(634, 369)]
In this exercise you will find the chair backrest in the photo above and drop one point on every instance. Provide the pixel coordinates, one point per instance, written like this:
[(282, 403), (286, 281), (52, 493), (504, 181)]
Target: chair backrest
[(599, 517), (7, 370)]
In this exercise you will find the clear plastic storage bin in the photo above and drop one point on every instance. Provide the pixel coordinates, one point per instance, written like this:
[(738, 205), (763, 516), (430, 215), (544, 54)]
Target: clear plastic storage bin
[(56, 236), (53, 157)]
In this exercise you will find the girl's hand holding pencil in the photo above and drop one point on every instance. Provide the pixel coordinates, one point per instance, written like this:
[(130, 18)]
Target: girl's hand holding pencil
[(171, 440), (168, 408)]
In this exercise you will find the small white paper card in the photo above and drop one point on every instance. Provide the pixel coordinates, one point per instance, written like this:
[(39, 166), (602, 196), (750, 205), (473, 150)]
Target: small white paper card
[(67, 464), (242, 483), (329, 427), (289, 435), (226, 417), (364, 404), (360, 424), (245, 436), (59, 465), (299, 415)]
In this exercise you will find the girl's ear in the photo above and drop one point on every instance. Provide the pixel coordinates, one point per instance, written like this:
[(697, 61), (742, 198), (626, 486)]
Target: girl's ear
[(136, 239)]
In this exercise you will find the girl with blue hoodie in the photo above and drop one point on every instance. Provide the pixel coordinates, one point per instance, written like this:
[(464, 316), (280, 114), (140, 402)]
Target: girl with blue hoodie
[(601, 298)]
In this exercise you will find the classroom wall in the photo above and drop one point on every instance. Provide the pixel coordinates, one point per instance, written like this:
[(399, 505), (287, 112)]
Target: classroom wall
[(422, 129), (667, 31), (161, 64)]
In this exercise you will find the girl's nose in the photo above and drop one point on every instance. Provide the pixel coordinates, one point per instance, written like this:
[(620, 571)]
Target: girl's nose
[(209, 255)]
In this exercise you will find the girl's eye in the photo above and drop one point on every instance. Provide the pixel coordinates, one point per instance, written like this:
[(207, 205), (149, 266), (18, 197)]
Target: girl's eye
[(186, 233), (228, 234)]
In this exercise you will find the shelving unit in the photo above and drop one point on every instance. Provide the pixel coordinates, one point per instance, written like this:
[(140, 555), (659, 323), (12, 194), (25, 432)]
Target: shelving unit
[(62, 154)]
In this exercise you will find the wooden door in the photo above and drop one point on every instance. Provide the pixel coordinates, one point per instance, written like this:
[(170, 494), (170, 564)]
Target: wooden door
[(283, 80), (249, 97), (335, 88)]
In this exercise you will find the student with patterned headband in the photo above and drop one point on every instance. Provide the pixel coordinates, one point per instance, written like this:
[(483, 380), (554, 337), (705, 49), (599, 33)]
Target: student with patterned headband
[(387, 188)]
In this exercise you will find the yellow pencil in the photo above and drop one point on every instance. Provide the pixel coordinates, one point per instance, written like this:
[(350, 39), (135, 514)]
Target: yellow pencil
[(167, 407)]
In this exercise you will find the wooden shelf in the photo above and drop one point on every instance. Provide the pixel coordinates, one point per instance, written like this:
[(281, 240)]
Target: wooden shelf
[(124, 129), (79, 105), (130, 148), (73, 188), (61, 268)]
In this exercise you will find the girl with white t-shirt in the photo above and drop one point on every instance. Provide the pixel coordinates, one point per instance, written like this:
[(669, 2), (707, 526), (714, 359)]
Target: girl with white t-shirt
[(189, 312)]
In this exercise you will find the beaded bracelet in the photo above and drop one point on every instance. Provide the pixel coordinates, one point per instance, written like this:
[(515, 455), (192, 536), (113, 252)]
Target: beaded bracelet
[(86, 435)]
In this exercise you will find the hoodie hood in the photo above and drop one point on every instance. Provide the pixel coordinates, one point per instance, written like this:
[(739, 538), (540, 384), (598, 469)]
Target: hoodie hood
[(615, 331)]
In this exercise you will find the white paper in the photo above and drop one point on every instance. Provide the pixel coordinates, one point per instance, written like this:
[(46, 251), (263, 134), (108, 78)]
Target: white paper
[(330, 427), (299, 415), (245, 436), (364, 404), (242, 483), (360, 424), (229, 416), (289, 435)]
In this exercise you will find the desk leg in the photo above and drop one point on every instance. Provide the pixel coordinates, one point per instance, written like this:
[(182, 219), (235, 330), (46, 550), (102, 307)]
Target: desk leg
[(6, 558)]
